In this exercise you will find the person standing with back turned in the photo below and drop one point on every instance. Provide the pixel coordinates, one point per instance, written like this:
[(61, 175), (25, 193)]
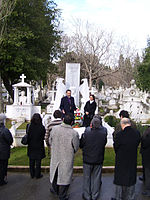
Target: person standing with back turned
[(64, 142), (6, 140), (125, 145), (93, 143)]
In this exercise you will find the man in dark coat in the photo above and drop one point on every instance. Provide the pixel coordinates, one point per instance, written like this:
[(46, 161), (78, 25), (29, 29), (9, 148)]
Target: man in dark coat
[(93, 143), (123, 114), (6, 140), (145, 151), (67, 104), (125, 145)]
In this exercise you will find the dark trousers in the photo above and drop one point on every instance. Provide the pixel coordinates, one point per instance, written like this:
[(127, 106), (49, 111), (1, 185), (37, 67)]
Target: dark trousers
[(3, 170), (124, 192), (147, 179), (35, 167), (91, 181), (60, 190)]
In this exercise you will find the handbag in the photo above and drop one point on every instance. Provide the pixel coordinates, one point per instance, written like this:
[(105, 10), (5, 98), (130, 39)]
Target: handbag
[(24, 139)]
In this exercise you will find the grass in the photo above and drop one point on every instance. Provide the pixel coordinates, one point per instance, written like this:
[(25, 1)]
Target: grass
[(23, 125), (19, 157), (8, 123)]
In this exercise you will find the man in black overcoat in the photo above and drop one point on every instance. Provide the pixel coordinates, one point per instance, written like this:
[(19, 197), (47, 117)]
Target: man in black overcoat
[(67, 104), (125, 145), (145, 151)]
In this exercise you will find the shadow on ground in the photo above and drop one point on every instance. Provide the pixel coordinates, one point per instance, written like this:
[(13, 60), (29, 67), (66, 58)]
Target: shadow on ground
[(22, 187)]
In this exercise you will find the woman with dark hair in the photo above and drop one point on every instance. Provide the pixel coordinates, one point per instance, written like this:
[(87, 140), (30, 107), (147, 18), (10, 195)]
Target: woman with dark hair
[(89, 111), (36, 150)]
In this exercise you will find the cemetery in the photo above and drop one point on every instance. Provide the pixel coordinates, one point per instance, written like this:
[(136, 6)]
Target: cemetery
[(133, 100), (47, 54)]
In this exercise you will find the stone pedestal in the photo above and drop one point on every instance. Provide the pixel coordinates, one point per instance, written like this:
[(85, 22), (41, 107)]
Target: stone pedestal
[(25, 111)]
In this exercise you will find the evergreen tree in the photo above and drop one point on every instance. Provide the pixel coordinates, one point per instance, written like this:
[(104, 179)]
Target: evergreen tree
[(143, 76), (31, 41)]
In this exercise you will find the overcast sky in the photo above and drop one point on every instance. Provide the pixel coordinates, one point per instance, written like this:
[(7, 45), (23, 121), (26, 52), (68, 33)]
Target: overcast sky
[(127, 18)]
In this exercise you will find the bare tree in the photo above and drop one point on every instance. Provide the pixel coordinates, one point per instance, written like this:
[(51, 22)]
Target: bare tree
[(92, 45), (99, 52)]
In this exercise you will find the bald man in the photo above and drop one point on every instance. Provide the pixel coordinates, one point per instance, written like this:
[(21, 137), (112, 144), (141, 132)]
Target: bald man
[(125, 146)]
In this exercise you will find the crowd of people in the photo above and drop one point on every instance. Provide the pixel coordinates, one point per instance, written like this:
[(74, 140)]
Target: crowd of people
[(63, 142)]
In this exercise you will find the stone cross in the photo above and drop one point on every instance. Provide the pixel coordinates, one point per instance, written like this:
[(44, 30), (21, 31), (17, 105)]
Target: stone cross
[(22, 77)]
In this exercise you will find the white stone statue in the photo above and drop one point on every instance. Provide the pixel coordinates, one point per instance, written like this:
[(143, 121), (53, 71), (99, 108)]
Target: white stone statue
[(61, 90), (84, 90), (22, 99)]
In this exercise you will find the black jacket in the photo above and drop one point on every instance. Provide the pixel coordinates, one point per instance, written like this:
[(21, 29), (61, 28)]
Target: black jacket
[(6, 140), (145, 148), (89, 107), (93, 143), (125, 144), (68, 107), (36, 134)]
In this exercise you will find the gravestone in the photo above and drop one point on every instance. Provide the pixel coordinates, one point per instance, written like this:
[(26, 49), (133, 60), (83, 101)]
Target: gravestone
[(23, 107), (72, 80)]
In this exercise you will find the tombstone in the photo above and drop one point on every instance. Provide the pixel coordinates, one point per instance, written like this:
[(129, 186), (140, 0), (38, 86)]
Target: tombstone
[(72, 80), (23, 107), (136, 103)]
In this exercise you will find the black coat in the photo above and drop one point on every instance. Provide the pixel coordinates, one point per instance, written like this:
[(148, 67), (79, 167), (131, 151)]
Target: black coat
[(125, 144), (36, 134), (6, 140), (89, 107), (68, 107), (145, 148), (93, 143)]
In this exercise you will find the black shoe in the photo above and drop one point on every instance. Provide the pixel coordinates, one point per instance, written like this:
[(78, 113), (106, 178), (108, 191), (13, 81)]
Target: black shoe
[(113, 199), (146, 194), (3, 183), (83, 197), (39, 176), (141, 178), (53, 191)]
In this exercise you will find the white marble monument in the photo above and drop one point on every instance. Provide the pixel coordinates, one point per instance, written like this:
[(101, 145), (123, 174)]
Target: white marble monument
[(22, 107), (72, 80)]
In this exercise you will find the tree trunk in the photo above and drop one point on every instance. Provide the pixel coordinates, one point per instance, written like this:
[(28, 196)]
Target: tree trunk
[(90, 81), (8, 86), (1, 98)]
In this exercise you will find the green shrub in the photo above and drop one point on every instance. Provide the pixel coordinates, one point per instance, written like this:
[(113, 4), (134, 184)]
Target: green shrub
[(111, 120)]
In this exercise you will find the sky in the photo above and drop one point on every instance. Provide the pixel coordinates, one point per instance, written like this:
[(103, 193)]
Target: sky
[(126, 18)]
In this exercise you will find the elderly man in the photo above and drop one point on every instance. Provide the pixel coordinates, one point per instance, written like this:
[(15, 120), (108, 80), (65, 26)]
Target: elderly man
[(93, 143), (5, 141), (125, 145), (123, 114), (145, 151), (64, 142)]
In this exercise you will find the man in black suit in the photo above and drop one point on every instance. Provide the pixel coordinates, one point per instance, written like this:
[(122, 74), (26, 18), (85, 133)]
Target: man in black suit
[(67, 104)]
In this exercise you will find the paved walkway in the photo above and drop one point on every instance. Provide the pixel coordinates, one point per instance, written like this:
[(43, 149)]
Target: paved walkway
[(22, 187)]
